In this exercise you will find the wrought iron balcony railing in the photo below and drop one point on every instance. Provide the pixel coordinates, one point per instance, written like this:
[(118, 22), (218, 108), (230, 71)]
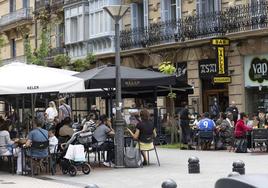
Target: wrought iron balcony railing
[(67, 2), (22, 14), (41, 4), (233, 19)]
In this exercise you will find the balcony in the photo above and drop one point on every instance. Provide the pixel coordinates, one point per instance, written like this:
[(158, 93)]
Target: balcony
[(49, 4), (14, 19), (56, 51), (69, 2), (233, 20)]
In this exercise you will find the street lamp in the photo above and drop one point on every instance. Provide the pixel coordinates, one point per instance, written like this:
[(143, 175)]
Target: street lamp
[(117, 12)]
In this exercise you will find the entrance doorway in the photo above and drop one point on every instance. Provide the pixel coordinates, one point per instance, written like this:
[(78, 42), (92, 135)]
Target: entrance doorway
[(214, 91)]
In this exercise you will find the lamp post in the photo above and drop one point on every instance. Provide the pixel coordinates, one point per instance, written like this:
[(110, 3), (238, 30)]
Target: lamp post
[(117, 12)]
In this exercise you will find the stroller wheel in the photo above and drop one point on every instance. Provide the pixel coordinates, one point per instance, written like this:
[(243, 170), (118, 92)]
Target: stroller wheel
[(72, 170), (65, 171), (86, 168)]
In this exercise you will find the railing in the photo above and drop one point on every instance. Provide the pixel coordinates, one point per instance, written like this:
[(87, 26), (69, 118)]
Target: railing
[(57, 2), (56, 51), (41, 4), (22, 14), (233, 19), (73, 1), (48, 3)]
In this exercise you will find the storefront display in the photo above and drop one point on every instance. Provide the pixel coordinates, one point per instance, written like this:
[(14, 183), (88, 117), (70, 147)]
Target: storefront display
[(256, 82)]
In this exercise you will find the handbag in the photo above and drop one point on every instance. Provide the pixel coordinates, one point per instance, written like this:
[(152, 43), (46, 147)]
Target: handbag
[(132, 157), (75, 153)]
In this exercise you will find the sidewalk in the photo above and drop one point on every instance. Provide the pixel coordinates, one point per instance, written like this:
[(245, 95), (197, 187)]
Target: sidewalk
[(174, 165)]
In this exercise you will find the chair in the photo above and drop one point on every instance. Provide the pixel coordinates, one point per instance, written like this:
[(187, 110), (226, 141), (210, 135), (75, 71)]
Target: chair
[(38, 146), (205, 137), (259, 136), (147, 153), (9, 156)]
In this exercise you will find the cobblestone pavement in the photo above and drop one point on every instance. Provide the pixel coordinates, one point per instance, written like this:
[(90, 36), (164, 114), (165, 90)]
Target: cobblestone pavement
[(174, 164)]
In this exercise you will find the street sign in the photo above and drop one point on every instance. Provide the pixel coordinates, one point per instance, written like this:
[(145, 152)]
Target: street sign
[(221, 62), (222, 79), (220, 42)]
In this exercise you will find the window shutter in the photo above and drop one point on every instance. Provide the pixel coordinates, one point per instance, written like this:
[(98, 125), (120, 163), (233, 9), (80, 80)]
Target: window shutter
[(178, 9), (165, 7), (134, 15), (146, 13)]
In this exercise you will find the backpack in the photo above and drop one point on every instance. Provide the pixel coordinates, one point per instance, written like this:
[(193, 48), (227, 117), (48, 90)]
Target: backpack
[(132, 157), (241, 146)]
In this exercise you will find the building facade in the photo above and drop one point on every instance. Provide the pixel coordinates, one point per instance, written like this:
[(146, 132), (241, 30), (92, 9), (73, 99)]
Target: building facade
[(18, 17), (88, 28), (179, 31)]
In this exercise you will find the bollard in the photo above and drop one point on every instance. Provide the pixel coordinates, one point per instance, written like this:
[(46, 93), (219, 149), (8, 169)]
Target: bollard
[(91, 186), (169, 183), (193, 165), (239, 166), (232, 174)]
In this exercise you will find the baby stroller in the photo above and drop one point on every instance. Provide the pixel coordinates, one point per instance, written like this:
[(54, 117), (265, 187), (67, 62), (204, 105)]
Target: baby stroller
[(72, 157)]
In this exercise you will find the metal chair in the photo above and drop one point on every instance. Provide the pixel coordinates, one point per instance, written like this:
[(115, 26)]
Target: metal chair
[(147, 153), (35, 147), (259, 136), (205, 137), (9, 156)]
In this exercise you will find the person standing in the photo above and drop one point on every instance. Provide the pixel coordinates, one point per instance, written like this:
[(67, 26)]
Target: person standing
[(145, 133), (64, 110), (185, 127), (50, 114), (233, 109), (214, 110)]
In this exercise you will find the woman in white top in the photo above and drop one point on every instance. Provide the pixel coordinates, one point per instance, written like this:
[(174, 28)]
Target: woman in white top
[(7, 146), (51, 112)]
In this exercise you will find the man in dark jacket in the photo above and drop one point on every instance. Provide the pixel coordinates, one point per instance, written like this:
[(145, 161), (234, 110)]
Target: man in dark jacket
[(185, 127), (233, 109)]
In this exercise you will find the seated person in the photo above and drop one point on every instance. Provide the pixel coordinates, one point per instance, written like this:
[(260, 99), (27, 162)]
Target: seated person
[(241, 128), (88, 123), (7, 147), (37, 135), (206, 124), (224, 132), (66, 131), (103, 130)]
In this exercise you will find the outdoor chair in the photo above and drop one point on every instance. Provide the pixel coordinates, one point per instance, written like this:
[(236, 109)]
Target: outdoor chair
[(259, 137), (205, 137), (10, 158), (147, 152), (39, 161)]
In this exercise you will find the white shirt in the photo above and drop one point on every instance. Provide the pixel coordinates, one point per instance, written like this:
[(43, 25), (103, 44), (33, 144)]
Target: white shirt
[(51, 113), (53, 142)]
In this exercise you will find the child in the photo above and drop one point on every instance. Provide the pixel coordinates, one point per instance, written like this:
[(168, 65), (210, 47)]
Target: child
[(53, 141)]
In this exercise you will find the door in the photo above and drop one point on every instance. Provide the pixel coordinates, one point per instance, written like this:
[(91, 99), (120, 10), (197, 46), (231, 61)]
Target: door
[(221, 96)]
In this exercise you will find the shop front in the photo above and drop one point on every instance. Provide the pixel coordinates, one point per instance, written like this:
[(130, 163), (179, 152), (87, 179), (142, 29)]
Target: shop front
[(256, 82), (212, 91)]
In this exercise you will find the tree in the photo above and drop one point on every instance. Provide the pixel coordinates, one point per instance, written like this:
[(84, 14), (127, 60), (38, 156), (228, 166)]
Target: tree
[(168, 68), (61, 60), (40, 54), (83, 64)]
